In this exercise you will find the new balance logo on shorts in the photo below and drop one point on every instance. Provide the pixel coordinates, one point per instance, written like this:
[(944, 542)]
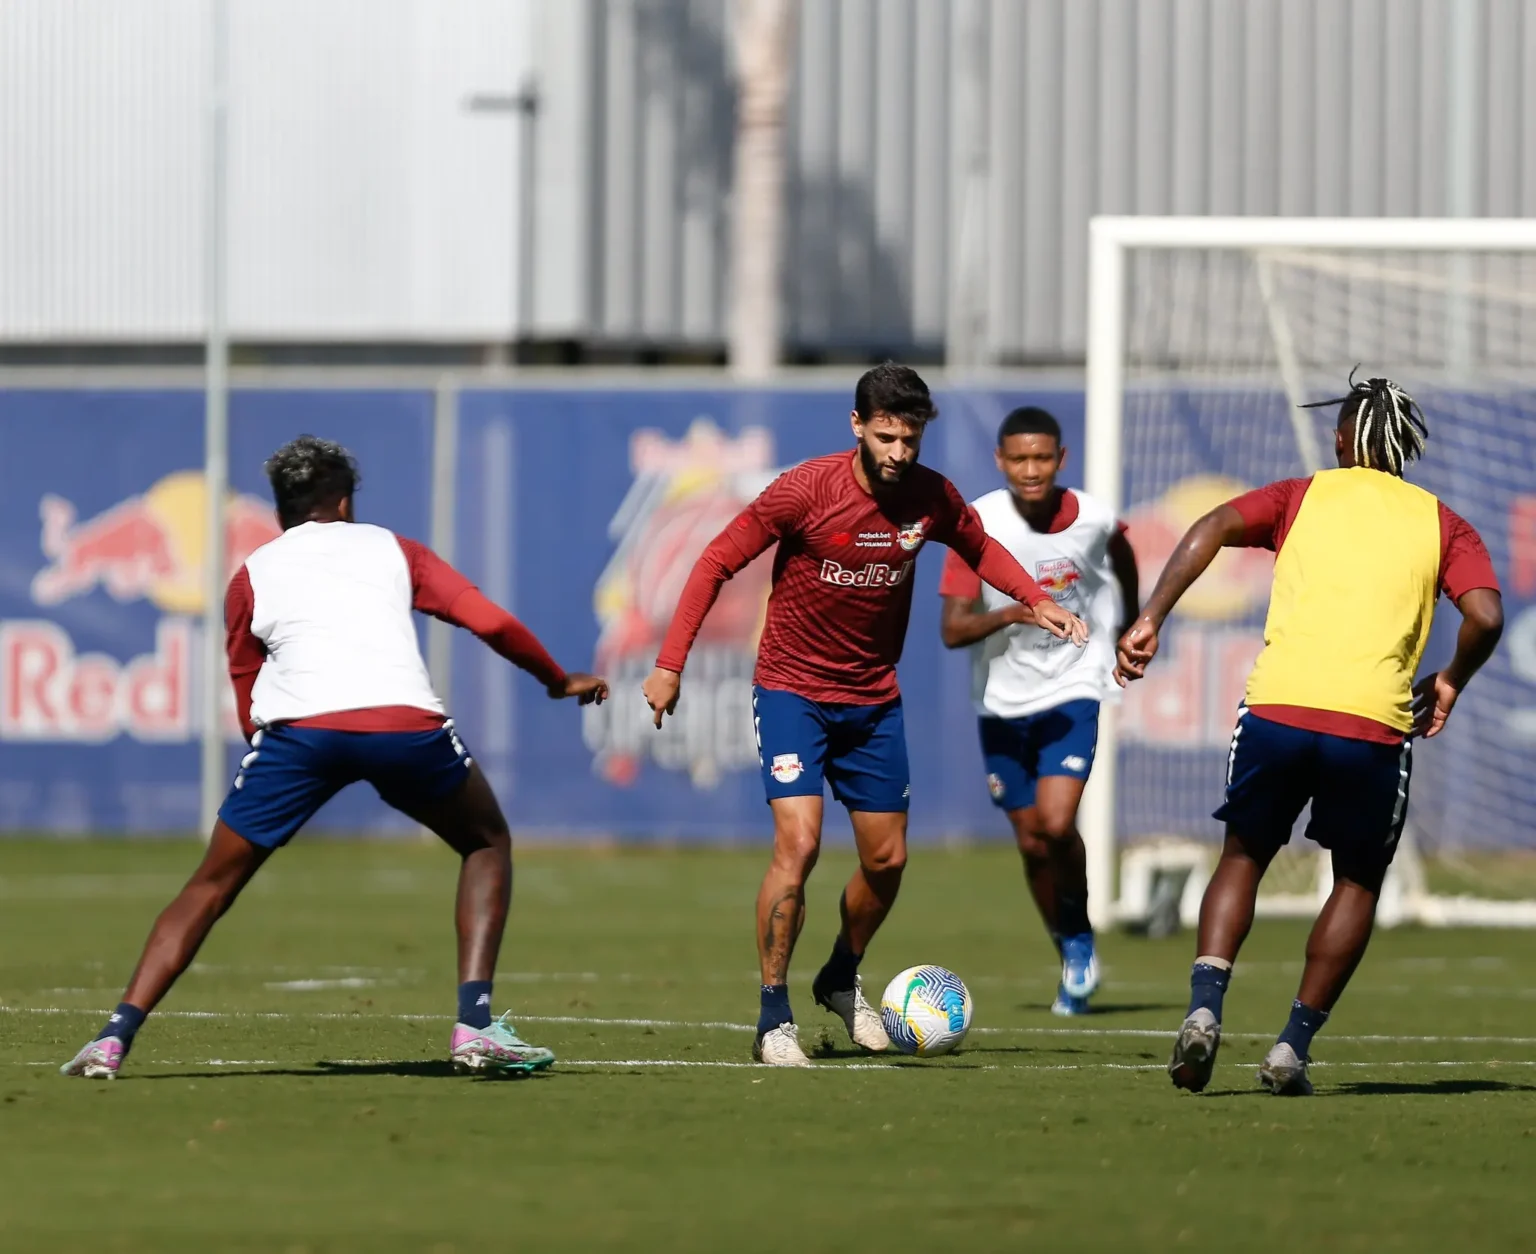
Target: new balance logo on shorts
[(1075, 763), (872, 575)]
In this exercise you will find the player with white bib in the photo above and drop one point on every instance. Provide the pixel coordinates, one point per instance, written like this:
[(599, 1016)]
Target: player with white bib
[(1038, 704), (331, 690)]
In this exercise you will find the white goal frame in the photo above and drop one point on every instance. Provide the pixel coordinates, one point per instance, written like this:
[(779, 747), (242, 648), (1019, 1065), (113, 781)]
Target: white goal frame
[(1406, 898)]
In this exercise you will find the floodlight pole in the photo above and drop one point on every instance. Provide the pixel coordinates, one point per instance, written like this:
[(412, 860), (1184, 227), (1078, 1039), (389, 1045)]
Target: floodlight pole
[(215, 419)]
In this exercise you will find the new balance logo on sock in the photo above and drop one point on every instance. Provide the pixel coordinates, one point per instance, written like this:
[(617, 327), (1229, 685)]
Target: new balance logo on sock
[(116, 1018), (483, 1000)]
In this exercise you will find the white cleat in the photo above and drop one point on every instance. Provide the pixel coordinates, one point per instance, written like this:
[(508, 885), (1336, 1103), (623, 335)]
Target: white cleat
[(99, 1060), (1194, 1051), (861, 1019), (1283, 1073), (780, 1048)]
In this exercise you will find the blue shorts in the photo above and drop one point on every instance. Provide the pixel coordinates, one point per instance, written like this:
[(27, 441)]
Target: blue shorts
[(861, 750), (1020, 752), (290, 772), (1358, 790)]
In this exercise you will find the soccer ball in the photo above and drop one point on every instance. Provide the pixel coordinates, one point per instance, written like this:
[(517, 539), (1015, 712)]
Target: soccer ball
[(926, 1011)]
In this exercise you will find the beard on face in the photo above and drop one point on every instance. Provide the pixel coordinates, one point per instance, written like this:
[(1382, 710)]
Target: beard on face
[(872, 468)]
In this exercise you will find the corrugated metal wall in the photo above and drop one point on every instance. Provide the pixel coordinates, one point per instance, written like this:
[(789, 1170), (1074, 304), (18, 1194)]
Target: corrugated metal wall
[(946, 154)]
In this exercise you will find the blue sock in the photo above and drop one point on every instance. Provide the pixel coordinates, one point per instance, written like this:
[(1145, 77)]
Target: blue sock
[(1302, 1027), (475, 1003), (124, 1024), (1207, 987), (775, 1010), (841, 969)]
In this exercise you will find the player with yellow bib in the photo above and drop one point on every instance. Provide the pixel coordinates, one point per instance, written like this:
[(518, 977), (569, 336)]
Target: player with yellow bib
[(1331, 709)]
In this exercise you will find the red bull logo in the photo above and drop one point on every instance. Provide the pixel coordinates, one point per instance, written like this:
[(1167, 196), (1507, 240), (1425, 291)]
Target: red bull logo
[(1058, 577), (684, 494), (147, 547)]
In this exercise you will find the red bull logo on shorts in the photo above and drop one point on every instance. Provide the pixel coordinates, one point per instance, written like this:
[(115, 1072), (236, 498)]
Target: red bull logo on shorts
[(685, 492), (146, 548)]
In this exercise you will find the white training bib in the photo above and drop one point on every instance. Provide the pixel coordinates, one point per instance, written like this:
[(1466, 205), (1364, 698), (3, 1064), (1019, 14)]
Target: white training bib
[(1024, 670)]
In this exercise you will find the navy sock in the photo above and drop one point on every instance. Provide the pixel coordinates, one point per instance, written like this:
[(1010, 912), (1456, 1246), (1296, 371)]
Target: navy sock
[(1072, 914), (124, 1024), (841, 969), (475, 1003), (775, 1010), (1302, 1027), (1207, 987)]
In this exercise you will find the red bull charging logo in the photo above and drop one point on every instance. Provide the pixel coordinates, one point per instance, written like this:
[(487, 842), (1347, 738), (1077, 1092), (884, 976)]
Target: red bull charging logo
[(148, 547), (1190, 698), (684, 494)]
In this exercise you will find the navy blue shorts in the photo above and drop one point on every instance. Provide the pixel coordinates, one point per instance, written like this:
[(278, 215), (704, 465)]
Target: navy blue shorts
[(1020, 752), (861, 750), (1358, 790), (290, 772)]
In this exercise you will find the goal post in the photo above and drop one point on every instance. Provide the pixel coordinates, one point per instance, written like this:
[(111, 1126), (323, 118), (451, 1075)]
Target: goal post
[(1204, 337)]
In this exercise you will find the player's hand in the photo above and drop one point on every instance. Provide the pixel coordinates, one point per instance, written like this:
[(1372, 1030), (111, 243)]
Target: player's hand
[(1434, 697), (587, 689), (1137, 647), (661, 691), (1061, 623)]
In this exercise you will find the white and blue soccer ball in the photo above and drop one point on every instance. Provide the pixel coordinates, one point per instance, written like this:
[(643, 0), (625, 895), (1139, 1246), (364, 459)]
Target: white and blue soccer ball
[(926, 1011)]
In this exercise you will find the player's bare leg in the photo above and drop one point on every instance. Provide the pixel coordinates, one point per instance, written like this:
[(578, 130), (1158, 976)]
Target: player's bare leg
[(227, 867), (1335, 946), (881, 840), (780, 916), (1056, 867), (1226, 916), (470, 822)]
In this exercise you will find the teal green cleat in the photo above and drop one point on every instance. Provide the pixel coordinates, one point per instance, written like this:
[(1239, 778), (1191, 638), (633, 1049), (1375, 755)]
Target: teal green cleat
[(497, 1048)]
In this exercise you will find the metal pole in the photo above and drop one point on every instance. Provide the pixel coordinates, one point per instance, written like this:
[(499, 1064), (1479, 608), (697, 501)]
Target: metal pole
[(765, 31), (965, 338), (215, 419), (1464, 21)]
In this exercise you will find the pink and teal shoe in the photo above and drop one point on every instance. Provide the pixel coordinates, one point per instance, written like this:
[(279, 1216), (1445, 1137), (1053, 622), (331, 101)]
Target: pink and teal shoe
[(97, 1061), (496, 1048)]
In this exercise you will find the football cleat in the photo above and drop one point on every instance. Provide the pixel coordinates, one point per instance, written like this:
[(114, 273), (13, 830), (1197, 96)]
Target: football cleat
[(495, 1049), (1065, 1004), (780, 1047), (99, 1060), (1079, 966), (1283, 1073), (1194, 1052), (862, 1020)]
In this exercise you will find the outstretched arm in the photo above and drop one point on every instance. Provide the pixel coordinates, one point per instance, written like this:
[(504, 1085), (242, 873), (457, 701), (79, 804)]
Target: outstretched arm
[(1221, 527), (962, 621), (443, 592), (730, 551)]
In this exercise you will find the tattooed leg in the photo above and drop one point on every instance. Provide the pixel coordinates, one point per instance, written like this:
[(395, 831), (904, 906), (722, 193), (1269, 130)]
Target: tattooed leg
[(781, 900)]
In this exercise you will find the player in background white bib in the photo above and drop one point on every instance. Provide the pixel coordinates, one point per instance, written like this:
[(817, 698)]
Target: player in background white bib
[(1038, 703)]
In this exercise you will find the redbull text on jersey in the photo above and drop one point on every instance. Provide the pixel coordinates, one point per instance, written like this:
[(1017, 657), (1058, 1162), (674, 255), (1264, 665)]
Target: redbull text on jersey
[(870, 575)]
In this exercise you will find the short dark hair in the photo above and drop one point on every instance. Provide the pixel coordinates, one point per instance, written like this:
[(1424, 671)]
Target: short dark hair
[(309, 474), (894, 389), (1029, 420)]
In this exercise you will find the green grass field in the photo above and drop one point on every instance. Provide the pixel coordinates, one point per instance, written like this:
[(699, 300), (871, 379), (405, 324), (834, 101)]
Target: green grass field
[(292, 1094)]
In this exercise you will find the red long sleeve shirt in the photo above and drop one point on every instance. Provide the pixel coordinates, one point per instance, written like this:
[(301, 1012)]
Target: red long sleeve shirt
[(842, 576)]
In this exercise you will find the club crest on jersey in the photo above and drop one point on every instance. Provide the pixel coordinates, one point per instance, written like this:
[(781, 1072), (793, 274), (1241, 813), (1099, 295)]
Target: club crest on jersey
[(1058, 576), (786, 768), (910, 537)]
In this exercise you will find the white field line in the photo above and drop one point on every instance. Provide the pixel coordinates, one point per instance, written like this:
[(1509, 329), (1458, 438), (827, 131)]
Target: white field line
[(630, 1064), (722, 1026)]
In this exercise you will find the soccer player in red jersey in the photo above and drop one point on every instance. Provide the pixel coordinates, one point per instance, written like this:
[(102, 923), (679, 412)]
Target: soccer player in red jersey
[(331, 689), (848, 528)]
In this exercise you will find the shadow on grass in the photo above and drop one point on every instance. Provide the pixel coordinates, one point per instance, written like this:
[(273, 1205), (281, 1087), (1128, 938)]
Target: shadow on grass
[(1110, 1008), (426, 1068), (1438, 1088)]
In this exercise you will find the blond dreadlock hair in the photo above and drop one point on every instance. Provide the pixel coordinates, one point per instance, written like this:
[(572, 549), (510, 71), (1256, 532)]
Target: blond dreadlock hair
[(1389, 426)]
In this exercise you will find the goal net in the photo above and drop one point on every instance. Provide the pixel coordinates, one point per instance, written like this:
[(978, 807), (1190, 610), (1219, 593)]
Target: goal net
[(1206, 335)]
